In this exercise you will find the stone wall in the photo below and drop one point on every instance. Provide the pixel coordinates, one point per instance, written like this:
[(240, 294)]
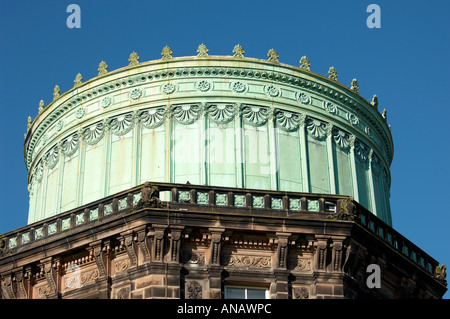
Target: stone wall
[(183, 250)]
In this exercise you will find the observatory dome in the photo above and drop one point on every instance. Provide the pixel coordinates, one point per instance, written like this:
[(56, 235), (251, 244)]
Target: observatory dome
[(228, 121)]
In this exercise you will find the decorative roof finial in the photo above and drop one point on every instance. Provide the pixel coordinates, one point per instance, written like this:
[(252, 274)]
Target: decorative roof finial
[(384, 115), (133, 59), (238, 51), (202, 50), (29, 123), (78, 79), (374, 101), (56, 92), (41, 106), (304, 63), (332, 73), (355, 86), (102, 68), (166, 53), (273, 55)]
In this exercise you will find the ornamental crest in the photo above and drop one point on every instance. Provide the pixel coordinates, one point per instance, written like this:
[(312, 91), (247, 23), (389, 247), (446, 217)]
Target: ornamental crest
[(342, 139), (70, 145), (287, 121), (186, 114), (316, 128), (122, 124), (52, 157), (153, 118), (221, 113), (255, 115), (94, 133)]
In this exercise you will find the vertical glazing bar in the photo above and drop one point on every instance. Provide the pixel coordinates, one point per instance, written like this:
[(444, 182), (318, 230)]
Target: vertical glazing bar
[(107, 168), (303, 155), (274, 161), (331, 172), (372, 188), (81, 163), (239, 159), (353, 167), (60, 178)]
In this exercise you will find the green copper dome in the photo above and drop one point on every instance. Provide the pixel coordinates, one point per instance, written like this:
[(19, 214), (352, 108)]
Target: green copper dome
[(211, 120)]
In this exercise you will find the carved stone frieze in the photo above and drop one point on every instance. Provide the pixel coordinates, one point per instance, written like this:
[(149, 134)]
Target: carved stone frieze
[(193, 257), (301, 293), (299, 263), (251, 261), (194, 290)]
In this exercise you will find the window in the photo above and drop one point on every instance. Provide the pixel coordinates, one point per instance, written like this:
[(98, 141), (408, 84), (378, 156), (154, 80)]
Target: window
[(241, 292)]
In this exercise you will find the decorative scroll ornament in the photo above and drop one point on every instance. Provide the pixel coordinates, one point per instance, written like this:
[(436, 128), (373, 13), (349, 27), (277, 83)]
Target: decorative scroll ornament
[(154, 117), (255, 115), (316, 128), (332, 73), (204, 86), (272, 91), (56, 92), (133, 59), (221, 113), (303, 98), (286, 120), (273, 56), (78, 79), (135, 94), (70, 145), (238, 87), (52, 157), (247, 261), (168, 88), (166, 53), (304, 63), (186, 114), (94, 133), (122, 124), (202, 50), (330, 107), (352, 118), (41, 106), (355, 86), (102, 68), (342, 139), (238, 51)]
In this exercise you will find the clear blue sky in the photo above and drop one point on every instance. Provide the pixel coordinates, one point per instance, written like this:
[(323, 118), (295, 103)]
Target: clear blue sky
[(405, 62)]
